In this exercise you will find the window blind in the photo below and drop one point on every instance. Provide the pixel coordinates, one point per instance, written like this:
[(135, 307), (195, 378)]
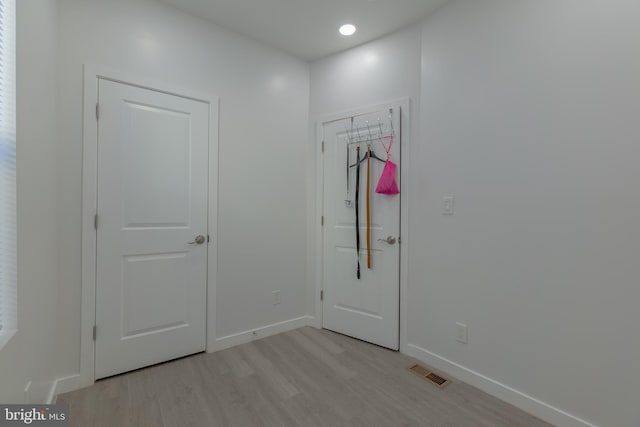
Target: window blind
[(8, 217)]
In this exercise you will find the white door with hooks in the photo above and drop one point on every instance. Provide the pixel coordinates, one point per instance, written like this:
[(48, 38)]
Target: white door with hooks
[(151, 259), (368, 307)]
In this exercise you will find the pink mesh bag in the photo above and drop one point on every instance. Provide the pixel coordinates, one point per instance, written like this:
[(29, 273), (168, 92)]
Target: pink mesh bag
[(387, 182)]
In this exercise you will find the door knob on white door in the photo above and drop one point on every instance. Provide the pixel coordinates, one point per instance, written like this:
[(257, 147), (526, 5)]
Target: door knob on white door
[(389, 240), (200, 239)]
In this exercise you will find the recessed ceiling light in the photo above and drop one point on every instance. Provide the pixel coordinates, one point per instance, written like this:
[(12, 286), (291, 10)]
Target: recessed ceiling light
[(347, 29)]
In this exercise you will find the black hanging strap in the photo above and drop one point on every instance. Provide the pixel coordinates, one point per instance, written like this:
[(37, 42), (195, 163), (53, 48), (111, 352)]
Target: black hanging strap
[(358, 211)]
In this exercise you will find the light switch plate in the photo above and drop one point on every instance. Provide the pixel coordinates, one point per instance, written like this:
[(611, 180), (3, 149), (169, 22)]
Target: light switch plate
[(462, 333), (447, 205), (275, 297)]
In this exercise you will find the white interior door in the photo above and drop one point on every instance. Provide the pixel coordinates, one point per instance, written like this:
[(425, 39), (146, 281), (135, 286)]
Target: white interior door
[(365, 308), (152, 202)]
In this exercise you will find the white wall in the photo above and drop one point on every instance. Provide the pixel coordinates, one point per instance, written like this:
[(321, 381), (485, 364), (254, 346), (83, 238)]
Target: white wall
[(30, 355), (263, 129), (383, 70), (530, 114), (529, 117)]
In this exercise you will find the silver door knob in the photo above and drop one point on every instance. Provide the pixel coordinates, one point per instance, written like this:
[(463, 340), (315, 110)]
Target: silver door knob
[(389, 240), (200, 239)]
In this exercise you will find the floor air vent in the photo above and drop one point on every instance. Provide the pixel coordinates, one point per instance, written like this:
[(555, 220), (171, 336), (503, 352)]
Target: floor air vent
[(433, 378)]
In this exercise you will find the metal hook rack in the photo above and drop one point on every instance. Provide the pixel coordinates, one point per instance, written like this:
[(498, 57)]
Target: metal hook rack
[(371, 132)]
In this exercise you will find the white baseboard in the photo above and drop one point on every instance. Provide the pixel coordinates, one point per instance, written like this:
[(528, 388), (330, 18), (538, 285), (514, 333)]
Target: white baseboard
[(527, 403), (263, 332), (64, 385), (53, 395), (36, 392)]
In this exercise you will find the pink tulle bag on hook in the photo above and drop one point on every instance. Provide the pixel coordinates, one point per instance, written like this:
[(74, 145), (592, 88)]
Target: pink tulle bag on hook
[(387, 182)]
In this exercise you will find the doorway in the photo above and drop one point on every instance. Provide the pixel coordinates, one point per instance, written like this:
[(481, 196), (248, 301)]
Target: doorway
[(150, 189), (361, 289)]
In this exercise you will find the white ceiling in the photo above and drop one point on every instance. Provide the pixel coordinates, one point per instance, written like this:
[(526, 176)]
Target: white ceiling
[(308, 29)]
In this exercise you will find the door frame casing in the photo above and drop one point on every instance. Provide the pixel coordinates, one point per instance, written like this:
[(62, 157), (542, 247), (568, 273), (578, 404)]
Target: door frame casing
[(91, 76), (404, 104)]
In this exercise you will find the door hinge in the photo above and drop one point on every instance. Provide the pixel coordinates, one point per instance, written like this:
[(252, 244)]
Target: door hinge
[(321, 295), (322, 221), (323, 146), (97, 111), (94, 332), (95, 221)]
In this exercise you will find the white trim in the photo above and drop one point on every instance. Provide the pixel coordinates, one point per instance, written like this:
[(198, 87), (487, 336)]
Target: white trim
[(144, 82), (53, 394), (527, 403), (63, 385), (405, 152), (404, 104), (263, 332), (91, 76), (212, 253), (89, 201), (319, 244), (67, 384)]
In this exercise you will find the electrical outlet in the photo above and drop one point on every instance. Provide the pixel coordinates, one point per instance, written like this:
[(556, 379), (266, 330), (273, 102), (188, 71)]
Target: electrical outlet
[(462, 333), (275, 297), (447, 205)]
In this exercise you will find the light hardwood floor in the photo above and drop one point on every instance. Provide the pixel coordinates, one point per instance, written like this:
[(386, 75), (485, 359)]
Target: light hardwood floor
[(306, 377)]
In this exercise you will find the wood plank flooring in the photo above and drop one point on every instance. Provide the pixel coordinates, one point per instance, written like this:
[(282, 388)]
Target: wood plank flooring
[(306, 377)]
